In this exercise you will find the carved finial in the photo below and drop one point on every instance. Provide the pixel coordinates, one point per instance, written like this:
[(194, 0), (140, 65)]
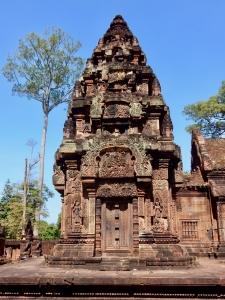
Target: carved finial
[(118, 29)]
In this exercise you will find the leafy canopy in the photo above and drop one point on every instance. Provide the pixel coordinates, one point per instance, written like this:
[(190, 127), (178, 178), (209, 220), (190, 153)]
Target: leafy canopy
[(48, 231), (208, 116), (45, 68), (11, 206)]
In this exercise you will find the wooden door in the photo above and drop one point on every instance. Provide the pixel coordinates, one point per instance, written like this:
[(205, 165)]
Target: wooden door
[(117, 226)]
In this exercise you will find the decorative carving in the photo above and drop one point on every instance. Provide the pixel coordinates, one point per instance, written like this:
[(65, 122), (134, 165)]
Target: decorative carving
[(141, 207), (116, 111), (89, 164), (96, 106), (158, 226), (58, 177), (74, 184), (77, 92), (161, 199), (102, 87), (77, 213), (160, 174), (157, 208), (135, 108), (91, 90), (160, 185), (167, 126), (116, 164), (147, 128), (156, 88), (68, 129), (116, 76), (143, 87), (117, 190)]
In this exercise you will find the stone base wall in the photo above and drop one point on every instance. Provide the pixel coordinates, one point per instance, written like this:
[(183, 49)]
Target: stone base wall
[(197, 249), (47, 246), (71, 250)]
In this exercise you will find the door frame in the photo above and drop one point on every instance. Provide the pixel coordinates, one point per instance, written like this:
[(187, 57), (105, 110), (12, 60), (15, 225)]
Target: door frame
[(116, 200)]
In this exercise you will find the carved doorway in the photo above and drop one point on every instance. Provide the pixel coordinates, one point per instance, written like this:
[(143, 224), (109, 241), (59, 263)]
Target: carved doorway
[(117, 227)]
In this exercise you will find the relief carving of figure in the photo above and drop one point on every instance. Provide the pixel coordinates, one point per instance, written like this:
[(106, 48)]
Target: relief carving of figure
[(76, 213), (96, 106), (135, 108), (158, 208), (147, 128)]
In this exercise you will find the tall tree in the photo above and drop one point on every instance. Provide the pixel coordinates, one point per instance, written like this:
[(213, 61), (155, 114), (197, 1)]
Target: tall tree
[(44, 69), (209, 115)]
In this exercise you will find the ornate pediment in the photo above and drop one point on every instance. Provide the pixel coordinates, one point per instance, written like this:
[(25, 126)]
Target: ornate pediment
[(116, 164)]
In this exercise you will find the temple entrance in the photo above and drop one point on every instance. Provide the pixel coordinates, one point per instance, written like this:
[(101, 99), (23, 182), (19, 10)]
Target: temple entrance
[(117, 232)]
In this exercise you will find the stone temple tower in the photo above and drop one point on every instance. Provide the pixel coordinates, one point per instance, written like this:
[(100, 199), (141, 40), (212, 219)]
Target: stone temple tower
[(117, 164)]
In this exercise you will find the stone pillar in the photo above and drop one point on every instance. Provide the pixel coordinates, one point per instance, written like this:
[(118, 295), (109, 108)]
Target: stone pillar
[(98, 250), (63, 218), (91, 199), (141, 210), (135, 228), (221, 226)]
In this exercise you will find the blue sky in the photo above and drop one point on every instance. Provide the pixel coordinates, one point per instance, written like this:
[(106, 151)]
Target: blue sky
[(184, 42)]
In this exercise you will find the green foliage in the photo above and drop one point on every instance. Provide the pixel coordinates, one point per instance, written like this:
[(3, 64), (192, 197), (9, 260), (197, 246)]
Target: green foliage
[(58, 224), (208, 116), (45, 68), (4, 203), (48, 231), (12, 203)]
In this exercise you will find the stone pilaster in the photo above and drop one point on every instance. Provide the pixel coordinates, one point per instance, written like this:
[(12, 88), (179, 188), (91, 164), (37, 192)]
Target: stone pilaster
[(135, 228), (221, 227), (98, 251)]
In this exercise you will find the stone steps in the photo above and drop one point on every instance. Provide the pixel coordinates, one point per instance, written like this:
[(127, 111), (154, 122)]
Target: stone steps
[(115, 264)]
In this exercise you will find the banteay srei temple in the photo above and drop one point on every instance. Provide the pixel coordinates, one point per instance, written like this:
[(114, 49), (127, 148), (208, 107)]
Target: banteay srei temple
[(126, 202)]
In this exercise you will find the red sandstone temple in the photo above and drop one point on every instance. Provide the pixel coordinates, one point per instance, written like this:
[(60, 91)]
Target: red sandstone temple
[(125, 200)]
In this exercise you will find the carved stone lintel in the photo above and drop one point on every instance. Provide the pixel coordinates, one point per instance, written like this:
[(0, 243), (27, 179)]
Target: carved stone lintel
[(117, 190)]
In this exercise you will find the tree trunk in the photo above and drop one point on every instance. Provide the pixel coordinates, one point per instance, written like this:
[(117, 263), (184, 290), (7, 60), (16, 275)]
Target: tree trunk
[(24, 197), (41, 172)]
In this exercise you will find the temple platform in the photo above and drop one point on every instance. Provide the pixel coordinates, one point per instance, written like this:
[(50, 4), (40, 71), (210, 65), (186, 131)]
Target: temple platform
[(31, 279)]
